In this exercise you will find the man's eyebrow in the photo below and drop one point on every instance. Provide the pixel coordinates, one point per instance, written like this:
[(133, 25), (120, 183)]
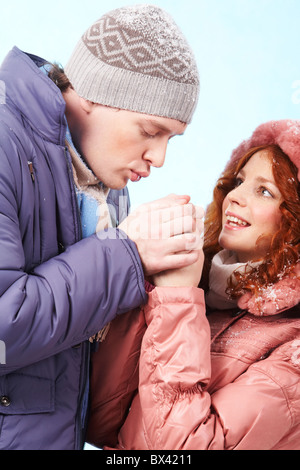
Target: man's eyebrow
[(162, 127)]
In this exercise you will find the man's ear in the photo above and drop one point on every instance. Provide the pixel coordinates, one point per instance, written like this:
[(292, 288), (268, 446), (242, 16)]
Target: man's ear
[(85, 105)]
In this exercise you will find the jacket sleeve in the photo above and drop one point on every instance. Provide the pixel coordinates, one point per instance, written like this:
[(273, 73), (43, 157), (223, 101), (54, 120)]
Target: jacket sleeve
[(114, 378), (178, 412), (65, 300)]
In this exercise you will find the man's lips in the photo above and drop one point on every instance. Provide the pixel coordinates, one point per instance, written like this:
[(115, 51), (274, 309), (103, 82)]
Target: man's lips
[(136, 176)]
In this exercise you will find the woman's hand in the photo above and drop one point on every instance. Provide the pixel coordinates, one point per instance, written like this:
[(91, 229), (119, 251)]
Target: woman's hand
[(188, 276)]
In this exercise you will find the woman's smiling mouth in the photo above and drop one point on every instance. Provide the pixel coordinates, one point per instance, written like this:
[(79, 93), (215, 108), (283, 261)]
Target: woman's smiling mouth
[(234, 221)]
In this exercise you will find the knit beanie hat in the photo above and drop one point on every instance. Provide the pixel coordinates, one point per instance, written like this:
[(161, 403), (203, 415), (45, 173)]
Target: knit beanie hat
[(136, 58), (284, 133)]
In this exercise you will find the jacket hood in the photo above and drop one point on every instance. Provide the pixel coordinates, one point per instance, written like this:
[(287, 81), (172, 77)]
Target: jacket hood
[(286, 293), (28, 89), (276, 298)]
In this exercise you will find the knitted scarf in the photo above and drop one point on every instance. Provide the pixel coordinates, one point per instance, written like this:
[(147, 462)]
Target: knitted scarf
[(93, 194), (223, 265)]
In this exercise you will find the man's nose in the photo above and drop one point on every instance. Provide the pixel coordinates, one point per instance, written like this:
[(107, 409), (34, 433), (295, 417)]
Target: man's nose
[(156, 154)]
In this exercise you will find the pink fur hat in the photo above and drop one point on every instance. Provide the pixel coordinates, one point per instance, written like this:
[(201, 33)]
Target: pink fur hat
[(284, 133)]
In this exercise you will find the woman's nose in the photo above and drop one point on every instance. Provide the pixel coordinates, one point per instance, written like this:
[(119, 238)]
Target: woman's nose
[(238, 195)]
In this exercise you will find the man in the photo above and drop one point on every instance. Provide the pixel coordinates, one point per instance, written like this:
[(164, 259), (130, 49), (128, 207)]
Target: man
[(70, 258)]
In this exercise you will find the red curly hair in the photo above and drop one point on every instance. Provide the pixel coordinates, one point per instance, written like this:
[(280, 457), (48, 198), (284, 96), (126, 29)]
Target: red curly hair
[(284, 251)]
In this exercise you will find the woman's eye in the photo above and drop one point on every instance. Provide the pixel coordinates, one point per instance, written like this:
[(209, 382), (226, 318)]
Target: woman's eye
[(265, 192), (238, 182)]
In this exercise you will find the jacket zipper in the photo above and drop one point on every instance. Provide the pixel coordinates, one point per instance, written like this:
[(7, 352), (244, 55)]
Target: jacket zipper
[(30, 166), (82, 413), (81, 418)]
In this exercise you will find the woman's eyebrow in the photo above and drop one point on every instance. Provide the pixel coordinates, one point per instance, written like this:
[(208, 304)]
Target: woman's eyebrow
[(259, 179)]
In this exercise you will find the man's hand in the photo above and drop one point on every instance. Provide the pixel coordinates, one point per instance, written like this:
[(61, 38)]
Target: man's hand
[(166, 233)]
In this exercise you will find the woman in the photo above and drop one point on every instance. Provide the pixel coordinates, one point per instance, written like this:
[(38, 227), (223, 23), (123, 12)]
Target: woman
[(228, 379)]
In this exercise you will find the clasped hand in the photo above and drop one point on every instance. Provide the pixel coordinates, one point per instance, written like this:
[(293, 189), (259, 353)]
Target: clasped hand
[(168, 234)]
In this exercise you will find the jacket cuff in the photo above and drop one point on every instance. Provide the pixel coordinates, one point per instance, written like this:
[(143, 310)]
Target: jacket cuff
[(173, 297), (186, 295)]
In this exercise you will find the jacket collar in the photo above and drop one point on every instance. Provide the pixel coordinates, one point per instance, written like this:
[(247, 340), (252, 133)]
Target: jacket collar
[(272, 299), (35, 96)]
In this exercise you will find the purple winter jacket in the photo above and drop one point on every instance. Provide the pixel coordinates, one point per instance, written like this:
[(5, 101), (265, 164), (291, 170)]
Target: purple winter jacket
[(56, 290)]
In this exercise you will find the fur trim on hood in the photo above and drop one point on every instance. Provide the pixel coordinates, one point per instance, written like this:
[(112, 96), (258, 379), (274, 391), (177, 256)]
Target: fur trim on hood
[(276, 298)]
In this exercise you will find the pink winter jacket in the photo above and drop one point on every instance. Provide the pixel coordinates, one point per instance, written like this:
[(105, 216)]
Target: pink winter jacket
[(225, 380)]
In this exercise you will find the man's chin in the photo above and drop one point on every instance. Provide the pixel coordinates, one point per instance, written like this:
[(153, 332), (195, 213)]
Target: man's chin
[(117, 185)]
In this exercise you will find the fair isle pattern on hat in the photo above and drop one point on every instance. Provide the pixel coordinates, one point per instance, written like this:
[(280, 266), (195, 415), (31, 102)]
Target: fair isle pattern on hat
[(285, 133), (129, 42), (136, 58)]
